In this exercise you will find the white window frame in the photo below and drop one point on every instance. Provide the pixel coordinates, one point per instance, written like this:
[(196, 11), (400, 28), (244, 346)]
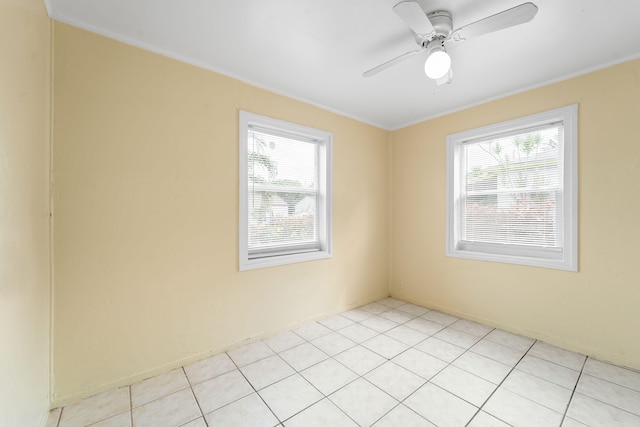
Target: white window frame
[(565, 259), (293, 254)]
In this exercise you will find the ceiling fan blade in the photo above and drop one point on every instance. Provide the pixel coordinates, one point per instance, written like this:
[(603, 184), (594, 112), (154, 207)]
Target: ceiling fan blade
[(413, 15), (390, 63), (505, 19)]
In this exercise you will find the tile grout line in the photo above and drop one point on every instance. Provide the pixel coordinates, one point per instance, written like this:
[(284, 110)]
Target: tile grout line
[(130, 406), (428, 336), (599, 400), (394, 407), (59, 417), (573, 392), (451, 364), (358, 376), (194, 396), (280, 422), (306, 341), (610, 382), (501, 382), (553, 363), (409, 347), (309, 382), (333, 357)]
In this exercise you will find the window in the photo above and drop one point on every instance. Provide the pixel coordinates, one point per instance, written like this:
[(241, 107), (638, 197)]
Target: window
[(285, 192), (512, 191)]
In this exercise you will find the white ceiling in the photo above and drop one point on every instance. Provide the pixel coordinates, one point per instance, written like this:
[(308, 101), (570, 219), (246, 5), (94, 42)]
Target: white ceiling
[(316, 51)]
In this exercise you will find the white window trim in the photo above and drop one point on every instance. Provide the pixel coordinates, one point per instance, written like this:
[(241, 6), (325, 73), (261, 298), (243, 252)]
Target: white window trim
[(569, 258), (289, 255)]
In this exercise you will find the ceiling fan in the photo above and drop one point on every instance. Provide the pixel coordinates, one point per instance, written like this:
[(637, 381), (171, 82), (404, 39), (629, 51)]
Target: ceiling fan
[(433, 29)]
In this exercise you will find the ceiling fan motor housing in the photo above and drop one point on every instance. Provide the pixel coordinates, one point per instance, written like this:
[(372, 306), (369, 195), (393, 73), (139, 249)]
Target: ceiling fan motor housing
[(442, 23)]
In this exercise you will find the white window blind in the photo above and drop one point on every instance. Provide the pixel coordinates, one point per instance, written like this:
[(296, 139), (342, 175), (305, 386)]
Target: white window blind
[(511, 188), (512, 191), (283, 192)]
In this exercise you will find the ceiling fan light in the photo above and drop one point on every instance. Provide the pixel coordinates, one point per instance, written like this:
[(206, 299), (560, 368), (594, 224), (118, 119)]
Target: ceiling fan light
[(438, 63)]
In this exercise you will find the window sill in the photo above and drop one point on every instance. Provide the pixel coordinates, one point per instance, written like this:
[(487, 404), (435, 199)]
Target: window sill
[(558, 263), (273, 261)]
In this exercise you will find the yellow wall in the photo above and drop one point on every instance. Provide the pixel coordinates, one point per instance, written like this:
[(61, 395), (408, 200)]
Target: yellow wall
[(594, 311), (146, 216), (24, 219)]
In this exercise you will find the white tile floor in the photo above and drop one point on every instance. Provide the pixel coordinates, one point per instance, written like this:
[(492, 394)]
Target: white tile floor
[(387, 363)]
